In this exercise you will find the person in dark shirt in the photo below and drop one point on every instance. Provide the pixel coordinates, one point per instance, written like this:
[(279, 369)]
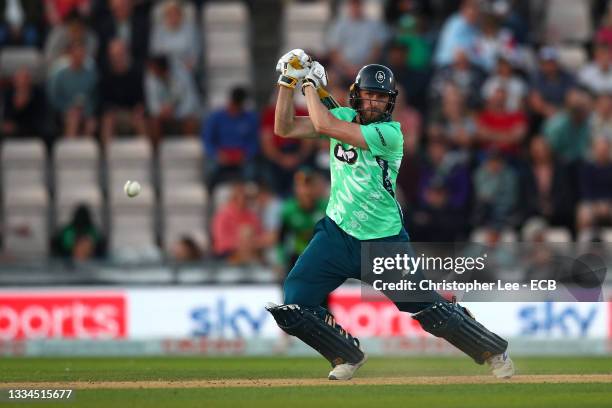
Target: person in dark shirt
[(23, 106), (283, 156), (230, 138), (129, 22), (595, 187), (121, 92), (80, 239), (546, 186)]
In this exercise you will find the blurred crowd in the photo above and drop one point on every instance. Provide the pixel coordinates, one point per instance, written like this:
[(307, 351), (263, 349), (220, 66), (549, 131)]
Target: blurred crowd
[(498, 130)]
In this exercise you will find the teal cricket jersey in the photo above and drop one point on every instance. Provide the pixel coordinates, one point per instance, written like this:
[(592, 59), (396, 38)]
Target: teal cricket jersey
[(362, 197)]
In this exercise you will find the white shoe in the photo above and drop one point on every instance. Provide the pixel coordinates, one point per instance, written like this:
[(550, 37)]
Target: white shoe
[(501, 365), (346, 371)]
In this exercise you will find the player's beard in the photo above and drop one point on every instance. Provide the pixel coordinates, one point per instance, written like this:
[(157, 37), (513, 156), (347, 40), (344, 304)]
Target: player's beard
[(369, 113)]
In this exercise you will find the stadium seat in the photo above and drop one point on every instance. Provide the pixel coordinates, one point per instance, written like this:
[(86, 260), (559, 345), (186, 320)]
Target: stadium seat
[(506, 236), (184, 212), (76, 163), (227, 55), (132, 220), (14, 58), (23, 163), (606, 235), (128, 160), (572, 57), (25, 227), (224, 14), (305, 25), (181, 161), (567, 21), (561, 235), (68, 197)]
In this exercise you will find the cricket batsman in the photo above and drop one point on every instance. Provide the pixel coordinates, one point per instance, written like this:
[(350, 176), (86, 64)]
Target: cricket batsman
[(366, 148)]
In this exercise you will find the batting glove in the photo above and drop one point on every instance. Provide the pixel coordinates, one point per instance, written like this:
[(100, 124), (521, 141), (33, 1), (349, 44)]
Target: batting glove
[(317, 77), (293, 67)]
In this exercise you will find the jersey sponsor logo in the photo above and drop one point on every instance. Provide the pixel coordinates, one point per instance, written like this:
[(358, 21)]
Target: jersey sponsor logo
[(382, 139), (346, 155), (380, 77)]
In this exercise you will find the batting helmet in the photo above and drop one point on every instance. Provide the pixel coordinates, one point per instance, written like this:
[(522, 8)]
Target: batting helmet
[(374, 78)]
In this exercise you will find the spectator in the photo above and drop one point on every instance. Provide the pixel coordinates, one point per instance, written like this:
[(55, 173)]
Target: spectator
[(175, 36), (410, 121), (594, 208), (514, 16), (460, 31), (549, 85), (171, 98), (73, 29), (444, 185), (130, 23), (236, 229), (496, 192), (121, 93), (604, 33), (499, 128), (230, 137), (268, 209), (355, 40), (601, 119), (24, 107), (455, 123), (283, 155), (412, 34), (547, 188), (462, 73), (516, 88), (494, 41), (299, 215), (80, 239), (186, 249), (597, 75), (414, 82), (21, 23), (58, 10), (568, 131), (72, 92)]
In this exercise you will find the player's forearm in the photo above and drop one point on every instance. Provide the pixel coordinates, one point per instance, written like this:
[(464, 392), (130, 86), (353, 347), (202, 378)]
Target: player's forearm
[(285, 112), (319, 115)]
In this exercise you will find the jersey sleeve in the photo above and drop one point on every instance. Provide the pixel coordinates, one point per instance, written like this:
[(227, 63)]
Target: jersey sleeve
[(383, 139), (343, 113)]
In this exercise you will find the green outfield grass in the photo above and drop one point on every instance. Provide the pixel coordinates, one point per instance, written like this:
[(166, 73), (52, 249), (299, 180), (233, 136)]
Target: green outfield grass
[(69, 370)]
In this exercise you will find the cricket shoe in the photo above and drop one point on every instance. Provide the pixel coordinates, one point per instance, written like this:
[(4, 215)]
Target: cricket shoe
[(501, 365), (346, 371)]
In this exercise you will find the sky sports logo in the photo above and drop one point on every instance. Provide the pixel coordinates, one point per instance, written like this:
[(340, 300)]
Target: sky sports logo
[(69, 315)]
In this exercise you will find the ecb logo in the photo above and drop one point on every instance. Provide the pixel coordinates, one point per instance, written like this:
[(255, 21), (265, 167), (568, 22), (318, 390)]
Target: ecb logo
[(380, 76)]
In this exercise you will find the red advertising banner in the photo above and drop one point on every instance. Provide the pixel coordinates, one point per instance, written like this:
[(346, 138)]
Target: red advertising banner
[(67, 315), (371, 319)]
